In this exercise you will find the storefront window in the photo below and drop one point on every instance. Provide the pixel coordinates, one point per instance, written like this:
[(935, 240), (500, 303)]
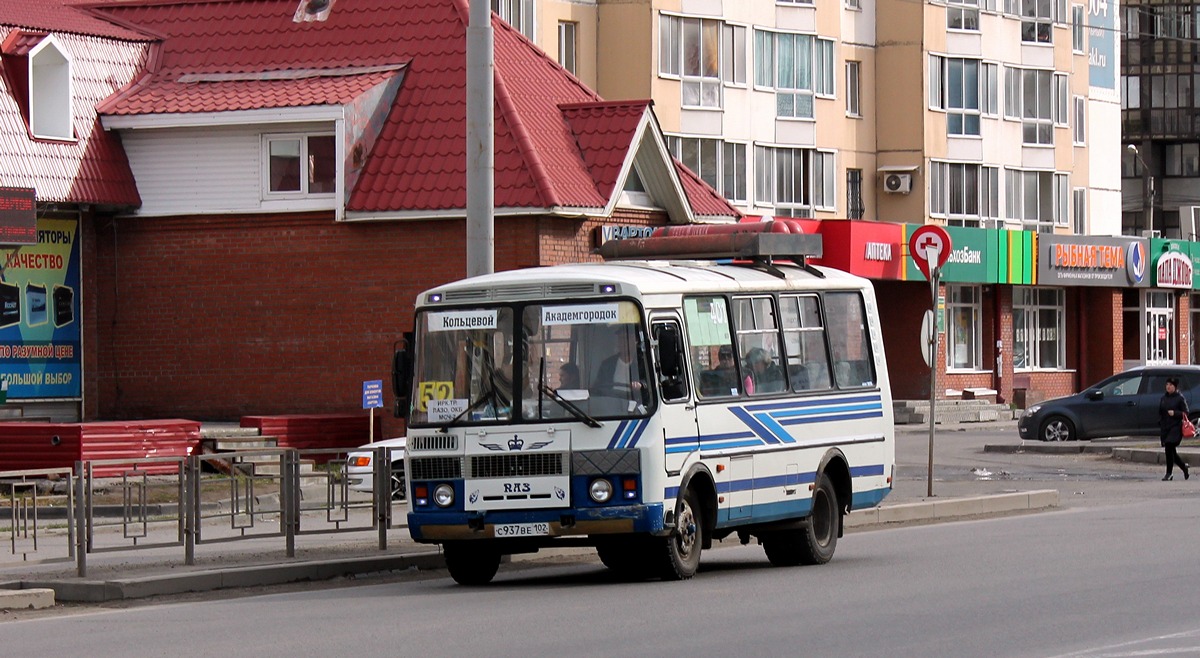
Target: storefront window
[(1038, 329), (964, 315)]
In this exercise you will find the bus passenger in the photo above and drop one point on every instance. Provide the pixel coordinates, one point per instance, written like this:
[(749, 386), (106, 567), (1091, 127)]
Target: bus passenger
[(721, 380), (764, 375), (568, 376), (621, 376)]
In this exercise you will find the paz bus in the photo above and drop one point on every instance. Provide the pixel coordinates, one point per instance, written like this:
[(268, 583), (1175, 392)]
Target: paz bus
[(693, 387)]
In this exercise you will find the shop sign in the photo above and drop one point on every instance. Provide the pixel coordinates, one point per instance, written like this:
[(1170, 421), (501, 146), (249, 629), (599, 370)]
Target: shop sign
[(972, 249), (868, 249), (1073, 260), (610, 232), (1173, 270), (968, 258)]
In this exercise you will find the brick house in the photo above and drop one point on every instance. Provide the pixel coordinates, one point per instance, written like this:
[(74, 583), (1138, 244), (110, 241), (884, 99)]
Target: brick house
[(273, 182)]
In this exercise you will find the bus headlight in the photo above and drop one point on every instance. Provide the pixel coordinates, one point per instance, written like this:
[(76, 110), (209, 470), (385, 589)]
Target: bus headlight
[(443, 495), (600, 490)]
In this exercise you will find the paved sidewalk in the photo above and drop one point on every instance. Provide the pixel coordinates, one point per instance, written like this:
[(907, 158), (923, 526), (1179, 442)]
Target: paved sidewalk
[(130, 574)]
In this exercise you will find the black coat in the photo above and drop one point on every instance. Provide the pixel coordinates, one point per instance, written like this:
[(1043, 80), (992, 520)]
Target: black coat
[(1170, 428)]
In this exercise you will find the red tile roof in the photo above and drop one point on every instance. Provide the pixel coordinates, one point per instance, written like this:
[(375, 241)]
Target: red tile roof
[(418, 163), (63, 17), (93, 168)]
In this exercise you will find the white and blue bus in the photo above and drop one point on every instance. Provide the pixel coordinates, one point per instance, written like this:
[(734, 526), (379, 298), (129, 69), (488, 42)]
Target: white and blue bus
[(647, 407)]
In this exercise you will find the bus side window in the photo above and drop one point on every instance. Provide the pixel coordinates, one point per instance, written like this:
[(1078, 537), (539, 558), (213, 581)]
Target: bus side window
[(804, 337), (848, 340)]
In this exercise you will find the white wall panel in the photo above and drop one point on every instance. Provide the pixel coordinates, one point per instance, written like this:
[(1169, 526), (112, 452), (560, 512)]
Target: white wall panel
[(184, 171)]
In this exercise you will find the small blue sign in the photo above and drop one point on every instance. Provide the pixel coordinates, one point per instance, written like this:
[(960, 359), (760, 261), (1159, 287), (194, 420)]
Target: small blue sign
[(373, 394)]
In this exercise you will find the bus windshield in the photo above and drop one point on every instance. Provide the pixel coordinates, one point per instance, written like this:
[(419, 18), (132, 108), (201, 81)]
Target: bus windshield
[(584, 361)]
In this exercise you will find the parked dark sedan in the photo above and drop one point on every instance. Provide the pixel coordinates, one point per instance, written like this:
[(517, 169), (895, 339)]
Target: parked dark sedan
[(1125, 404)]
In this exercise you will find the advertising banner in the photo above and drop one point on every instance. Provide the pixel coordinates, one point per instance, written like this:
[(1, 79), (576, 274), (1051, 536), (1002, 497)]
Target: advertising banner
[(1172, 264), (39, 314), (1071, 260)]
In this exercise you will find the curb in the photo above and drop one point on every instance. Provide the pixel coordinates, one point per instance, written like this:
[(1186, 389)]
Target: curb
[(954, 508), (27, 599), (99, 591)]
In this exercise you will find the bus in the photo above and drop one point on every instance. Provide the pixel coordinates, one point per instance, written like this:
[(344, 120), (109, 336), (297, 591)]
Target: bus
[(687, 390)]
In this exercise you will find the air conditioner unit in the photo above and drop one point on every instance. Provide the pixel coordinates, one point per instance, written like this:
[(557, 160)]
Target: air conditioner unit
[(1151, 234), (897, 183)]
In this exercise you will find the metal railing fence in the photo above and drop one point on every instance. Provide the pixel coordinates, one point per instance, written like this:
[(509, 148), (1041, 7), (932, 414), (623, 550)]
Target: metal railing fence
[(188, 502)]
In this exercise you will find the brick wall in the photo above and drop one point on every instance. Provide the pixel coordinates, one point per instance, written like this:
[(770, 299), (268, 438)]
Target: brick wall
[(213, 318)]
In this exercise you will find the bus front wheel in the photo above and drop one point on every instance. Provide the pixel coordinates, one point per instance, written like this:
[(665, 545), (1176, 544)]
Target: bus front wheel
[(471, 563), (681, 554)]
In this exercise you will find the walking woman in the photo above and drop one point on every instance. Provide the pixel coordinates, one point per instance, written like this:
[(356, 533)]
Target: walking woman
[(1172, 410)]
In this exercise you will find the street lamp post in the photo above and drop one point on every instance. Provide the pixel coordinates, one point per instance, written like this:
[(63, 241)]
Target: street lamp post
[(1147, 188)]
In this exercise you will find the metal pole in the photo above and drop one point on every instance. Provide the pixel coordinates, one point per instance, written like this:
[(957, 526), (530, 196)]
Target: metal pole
[(481, 240), (382, 486), (934, 275), (81, 543), (191, 510)]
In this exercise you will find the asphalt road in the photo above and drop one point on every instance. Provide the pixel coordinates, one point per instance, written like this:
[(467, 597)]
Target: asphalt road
[(1103, 580)]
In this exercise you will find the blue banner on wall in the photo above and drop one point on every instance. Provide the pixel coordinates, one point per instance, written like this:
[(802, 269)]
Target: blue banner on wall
[(1102, 44), (39, 314)]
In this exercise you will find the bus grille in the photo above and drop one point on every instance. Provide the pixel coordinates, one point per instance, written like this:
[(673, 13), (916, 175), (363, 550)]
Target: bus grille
[(436, 468), (500, 466), (443, 442)]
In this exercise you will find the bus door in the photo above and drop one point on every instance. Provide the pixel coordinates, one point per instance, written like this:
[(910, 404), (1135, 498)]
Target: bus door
[(676, 412)]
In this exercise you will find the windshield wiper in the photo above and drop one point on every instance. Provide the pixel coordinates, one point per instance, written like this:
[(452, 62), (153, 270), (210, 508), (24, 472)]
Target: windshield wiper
[(575, 411), (492, 394)]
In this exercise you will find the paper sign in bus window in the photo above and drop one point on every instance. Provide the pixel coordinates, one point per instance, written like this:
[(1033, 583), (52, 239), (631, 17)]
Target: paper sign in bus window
[(444, 411), (35, 304)]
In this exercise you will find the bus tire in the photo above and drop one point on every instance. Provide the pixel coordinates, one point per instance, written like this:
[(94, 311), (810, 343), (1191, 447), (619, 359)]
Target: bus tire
[(470, 563), (813, 544), (819, 538), (680, 552)]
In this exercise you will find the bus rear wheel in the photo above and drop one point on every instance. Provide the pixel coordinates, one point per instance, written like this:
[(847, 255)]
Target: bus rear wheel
[(470, 563), (815, 543), (680, 553)]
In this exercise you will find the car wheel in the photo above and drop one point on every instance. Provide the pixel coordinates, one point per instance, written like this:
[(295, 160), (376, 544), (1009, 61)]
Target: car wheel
[(1057, 428), (398, 481)]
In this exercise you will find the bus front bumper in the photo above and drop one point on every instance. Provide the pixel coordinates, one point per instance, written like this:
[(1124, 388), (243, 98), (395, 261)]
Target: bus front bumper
[(433, 526)]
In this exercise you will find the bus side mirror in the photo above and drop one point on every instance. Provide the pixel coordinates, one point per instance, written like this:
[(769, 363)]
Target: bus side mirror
[(402, 375), (670, 361)]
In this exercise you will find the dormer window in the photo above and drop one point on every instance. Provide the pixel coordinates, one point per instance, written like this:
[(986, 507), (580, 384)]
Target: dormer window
[(50, 91), (299, 165)]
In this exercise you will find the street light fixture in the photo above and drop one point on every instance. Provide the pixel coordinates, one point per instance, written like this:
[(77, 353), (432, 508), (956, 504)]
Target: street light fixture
[(1148, 190)]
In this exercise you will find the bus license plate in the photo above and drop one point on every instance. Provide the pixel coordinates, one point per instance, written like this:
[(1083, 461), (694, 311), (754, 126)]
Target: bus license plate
[(522, 529)]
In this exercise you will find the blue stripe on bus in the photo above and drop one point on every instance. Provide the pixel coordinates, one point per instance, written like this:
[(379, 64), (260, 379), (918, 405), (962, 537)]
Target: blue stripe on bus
[(755, 426), (825, 419), (616, 437), (790, 413), (776, 481), (800, 404), (728, 436), (637, 434)]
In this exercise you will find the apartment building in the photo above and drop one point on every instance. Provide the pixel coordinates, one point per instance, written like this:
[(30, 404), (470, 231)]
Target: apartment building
[(996, 113)]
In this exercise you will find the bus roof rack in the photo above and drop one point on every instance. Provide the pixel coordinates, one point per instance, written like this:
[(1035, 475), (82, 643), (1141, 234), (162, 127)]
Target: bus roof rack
[(759, 247)]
